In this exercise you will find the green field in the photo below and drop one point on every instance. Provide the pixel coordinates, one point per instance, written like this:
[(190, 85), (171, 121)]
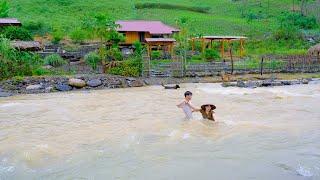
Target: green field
[(257, 19)]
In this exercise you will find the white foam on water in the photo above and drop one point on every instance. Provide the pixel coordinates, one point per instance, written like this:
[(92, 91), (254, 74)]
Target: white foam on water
[(185, 136), (303, 171), (9, 105), (5, 169)]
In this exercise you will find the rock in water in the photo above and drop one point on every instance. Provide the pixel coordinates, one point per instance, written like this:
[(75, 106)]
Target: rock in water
[(94, 82), (241, 84), (78, 83), (34, 87), (305, 81), (63, 87)]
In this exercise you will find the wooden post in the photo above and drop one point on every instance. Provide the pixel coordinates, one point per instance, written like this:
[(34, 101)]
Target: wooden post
[(192, 43), (231, 58), (261, 66), (241, 47), (203, 45), (222, 49), (148, 49)]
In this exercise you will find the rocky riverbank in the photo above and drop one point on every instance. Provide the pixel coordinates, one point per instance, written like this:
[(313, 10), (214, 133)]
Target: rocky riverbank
[(34, 85)]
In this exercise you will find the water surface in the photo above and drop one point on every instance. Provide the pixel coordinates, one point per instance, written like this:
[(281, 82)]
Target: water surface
[(138, 133)]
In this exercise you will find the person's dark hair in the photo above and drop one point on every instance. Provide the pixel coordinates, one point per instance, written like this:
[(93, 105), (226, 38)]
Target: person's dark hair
[(187, 93)]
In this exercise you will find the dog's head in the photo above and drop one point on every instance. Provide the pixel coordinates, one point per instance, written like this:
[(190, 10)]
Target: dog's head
[(177, 86)]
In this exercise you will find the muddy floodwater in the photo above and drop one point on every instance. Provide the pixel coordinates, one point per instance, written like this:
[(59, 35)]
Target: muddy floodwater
[(139, 133)]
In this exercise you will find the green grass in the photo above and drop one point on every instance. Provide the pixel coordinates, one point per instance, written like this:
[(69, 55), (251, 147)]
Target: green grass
[(225, 17)]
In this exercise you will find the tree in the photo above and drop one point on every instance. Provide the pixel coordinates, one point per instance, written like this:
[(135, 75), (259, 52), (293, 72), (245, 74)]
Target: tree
[(4, 8)]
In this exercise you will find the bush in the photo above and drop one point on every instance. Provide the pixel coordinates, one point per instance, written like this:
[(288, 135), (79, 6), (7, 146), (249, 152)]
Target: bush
[(92, 59), (155, 54), (172, 6), (78, 35), (16, 63), (129, 68), (16, 33), (298, 20), (57, 36), (287, 33), (55, 60), (138, 49), (211, 54), (114, 54)]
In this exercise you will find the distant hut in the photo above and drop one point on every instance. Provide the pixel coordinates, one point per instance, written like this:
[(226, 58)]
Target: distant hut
[(4, 22)]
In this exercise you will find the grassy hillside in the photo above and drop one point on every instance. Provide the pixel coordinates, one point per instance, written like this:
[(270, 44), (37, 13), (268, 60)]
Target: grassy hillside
[(224, 17), (255, 18)]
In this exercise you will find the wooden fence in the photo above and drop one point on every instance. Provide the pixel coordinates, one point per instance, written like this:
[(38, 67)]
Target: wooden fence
[(267, 64)]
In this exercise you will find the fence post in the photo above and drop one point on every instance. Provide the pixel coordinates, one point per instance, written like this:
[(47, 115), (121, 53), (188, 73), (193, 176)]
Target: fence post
[(231, 58), (261, 66)]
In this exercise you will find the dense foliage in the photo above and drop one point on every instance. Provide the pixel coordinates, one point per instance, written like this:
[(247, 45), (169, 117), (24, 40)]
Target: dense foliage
[(16, 33), (93, 60), (16, 63), (131, 67), (55, 60)]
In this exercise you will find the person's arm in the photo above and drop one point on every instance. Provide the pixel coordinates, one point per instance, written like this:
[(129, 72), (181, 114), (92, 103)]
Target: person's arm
[(194, 109), (181, 104)]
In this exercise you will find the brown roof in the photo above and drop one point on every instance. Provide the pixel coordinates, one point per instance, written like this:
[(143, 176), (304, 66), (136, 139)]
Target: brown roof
[(153, 27), (9, 21), (160, 40)]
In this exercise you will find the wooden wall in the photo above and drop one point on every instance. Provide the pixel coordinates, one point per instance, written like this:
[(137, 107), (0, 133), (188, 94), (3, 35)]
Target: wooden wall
[(131, 37)]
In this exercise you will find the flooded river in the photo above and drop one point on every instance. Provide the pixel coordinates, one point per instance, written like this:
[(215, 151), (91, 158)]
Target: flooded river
[(138, 133)]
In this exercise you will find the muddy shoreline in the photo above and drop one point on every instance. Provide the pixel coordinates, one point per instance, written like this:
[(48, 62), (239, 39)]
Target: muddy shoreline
[(48, 84)]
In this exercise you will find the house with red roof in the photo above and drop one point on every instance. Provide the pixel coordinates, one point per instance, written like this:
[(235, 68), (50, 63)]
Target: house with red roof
[(140, 30)]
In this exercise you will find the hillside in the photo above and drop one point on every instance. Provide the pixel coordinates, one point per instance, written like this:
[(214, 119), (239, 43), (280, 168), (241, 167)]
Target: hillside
[(224, 17), (254, 18)]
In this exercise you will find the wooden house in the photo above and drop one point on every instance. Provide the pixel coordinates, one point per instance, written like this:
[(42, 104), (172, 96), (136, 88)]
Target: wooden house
[(139, 30)]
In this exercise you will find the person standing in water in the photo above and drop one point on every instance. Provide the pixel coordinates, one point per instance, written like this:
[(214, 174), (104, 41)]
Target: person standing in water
[(186, 105)]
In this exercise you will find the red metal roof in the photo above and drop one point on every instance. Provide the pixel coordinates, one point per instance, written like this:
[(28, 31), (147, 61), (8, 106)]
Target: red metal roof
[(153, 27), (9, 21)]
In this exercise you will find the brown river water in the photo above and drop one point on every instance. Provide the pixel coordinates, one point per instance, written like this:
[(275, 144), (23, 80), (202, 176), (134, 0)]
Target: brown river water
[(139, 133)]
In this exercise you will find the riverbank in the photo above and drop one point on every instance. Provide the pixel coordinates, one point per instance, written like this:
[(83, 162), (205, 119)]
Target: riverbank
[(48, 84)]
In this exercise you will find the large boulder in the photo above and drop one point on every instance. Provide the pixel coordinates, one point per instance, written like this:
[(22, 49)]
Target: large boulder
[(63, 87), (34, 87), (94, 82), (78, 83)]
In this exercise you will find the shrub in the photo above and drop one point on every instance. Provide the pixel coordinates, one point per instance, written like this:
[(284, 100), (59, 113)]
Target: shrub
[(78, 35), (155, 54), (114, 54), (298, 20), (211, 54), (92, 59), (172, 6), (57, 36), (138, 49), (16, 63), (130, 68), (55, 60), (17, 33)]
